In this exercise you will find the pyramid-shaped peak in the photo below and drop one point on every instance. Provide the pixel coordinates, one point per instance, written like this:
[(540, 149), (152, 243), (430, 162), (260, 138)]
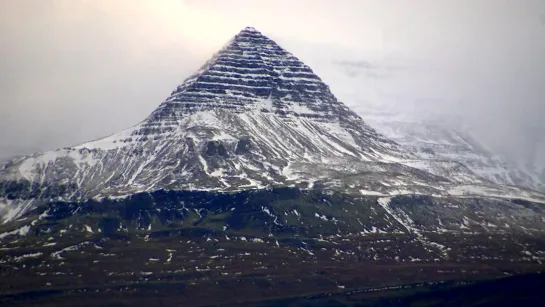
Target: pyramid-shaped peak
[(253, 73), (251, 35), (250, 30)]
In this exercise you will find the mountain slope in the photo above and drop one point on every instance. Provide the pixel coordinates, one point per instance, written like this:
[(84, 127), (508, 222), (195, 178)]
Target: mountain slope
[(439, 140)]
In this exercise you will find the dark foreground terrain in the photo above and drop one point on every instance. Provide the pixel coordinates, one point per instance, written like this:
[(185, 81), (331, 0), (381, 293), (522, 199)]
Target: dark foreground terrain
[(523, 290), (276, 247)]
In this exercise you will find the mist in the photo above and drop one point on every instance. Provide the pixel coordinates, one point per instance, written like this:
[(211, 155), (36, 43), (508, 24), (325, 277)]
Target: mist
[(74, 71)]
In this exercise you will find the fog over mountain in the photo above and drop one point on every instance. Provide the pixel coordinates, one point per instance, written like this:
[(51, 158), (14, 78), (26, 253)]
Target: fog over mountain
[(79, 70)]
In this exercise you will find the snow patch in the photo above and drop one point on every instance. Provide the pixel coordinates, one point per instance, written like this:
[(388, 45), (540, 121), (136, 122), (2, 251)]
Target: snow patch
[(23, 231)]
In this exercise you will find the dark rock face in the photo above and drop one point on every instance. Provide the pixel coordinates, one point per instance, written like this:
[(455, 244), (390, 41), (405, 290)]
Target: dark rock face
[(243, 146), (216, 148)]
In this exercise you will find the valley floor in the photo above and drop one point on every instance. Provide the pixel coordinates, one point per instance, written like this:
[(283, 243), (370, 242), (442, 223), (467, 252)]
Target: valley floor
[(151, 273), (301, 288)]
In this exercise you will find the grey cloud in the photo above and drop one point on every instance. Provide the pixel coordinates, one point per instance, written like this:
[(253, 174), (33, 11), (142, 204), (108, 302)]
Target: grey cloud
[(356, 69)]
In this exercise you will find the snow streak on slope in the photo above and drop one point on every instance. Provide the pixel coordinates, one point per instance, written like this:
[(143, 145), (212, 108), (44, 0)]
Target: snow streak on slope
[(405, 220)]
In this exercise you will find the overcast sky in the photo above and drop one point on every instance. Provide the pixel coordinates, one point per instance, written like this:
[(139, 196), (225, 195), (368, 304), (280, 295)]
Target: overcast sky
[(74, 70)]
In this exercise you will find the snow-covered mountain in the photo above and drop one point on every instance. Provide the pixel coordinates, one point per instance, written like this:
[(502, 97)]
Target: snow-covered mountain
[(443, 140), (253, 116)]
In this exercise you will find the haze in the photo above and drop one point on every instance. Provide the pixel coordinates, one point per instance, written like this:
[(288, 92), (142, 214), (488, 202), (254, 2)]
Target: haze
[(73, 71)]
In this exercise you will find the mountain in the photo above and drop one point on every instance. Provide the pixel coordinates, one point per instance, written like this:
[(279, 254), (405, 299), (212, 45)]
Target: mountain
[(253, 116), (251, 181), (441, 140)]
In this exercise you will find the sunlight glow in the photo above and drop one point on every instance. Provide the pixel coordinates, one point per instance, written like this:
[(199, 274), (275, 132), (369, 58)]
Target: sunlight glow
[(170, 22)]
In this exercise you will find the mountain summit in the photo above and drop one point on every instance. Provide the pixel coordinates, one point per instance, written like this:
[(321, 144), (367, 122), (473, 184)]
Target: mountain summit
[(253, 72), (254, 116)]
